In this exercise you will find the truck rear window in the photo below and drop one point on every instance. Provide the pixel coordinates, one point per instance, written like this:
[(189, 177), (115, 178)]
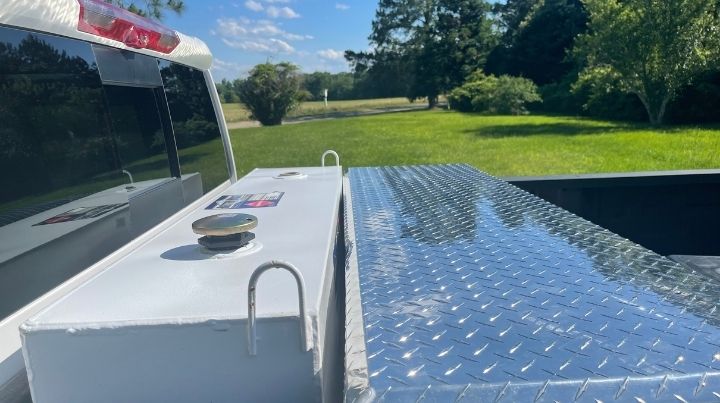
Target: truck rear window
[(193, 119), (92, 154)]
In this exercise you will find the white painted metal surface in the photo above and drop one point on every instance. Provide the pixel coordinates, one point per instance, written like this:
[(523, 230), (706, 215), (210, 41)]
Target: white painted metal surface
[(60, 17), (170, 318), (222, 124), (23, 236), (12, 365)]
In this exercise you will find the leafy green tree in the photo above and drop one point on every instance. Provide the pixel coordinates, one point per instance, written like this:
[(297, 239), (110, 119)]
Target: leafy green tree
[(512, 16), (226, 91), (342, 86), (537, 36), (152, 8), (339, 85), (442, 41), (315, 83), (270, 91), (599, 96), (652, 48), (379, 74)]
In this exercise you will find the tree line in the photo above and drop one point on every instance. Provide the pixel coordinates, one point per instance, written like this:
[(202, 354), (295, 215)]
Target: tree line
[(622, 59), (653, 60), (340, 86), (630, 59)]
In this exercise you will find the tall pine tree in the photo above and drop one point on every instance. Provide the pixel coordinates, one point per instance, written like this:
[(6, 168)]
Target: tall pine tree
[(439, 41)]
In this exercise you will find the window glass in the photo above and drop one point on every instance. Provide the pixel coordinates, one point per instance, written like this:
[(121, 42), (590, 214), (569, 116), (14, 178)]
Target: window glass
[(55, 142), (197, 133), (88, 165), (58, 164), (138, 132)]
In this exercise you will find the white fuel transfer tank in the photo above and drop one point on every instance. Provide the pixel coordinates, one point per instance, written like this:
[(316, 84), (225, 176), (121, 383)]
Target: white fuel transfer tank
[(169, 322)]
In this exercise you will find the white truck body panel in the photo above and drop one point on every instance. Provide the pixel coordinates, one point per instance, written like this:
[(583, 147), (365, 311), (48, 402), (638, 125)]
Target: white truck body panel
[(60, 17), (170, 318)]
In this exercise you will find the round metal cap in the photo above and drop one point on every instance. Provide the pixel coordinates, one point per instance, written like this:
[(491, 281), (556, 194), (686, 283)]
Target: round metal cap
[(224, 224), (291, 175)]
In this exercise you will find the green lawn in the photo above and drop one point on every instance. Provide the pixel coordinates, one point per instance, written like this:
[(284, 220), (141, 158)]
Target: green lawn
[(500, 145), (238, 113)]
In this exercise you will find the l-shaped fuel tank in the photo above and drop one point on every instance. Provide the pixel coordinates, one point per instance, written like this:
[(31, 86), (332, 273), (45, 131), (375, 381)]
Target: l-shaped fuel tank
[(169, 322)]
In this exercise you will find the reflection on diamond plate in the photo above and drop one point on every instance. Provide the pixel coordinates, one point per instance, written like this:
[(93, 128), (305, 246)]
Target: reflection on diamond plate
[(474, 290)]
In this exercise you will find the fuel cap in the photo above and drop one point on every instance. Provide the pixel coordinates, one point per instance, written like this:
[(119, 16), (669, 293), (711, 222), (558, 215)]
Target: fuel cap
[(225, 231), (224, 224)]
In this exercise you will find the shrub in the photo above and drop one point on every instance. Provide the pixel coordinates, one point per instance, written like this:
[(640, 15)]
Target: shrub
[(304, 95), (501, 95), (270, 92), (598, 91), (476, 86), (512, 94)]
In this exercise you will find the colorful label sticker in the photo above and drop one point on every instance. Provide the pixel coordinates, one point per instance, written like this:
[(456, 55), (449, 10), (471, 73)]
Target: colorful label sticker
[(256, 200), (81, 213)]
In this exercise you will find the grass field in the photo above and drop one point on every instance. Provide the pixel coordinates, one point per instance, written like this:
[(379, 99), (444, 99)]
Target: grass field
[(500, 145), (238, 113)]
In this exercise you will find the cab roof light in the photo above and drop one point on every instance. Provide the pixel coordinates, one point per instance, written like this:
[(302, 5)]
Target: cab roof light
[(108, 21)]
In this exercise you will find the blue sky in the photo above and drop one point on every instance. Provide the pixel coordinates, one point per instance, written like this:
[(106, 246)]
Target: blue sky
[(310, 33)]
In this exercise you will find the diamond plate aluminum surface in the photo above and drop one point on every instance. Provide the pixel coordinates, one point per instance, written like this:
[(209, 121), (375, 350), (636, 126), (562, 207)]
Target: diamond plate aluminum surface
[(474, 290)]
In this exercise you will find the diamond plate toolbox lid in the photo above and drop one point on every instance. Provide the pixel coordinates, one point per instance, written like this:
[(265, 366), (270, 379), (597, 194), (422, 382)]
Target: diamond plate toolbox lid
[(462, 287)]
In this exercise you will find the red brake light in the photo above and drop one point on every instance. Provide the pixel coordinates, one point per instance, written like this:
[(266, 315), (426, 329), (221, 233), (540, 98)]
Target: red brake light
[(108, 21)]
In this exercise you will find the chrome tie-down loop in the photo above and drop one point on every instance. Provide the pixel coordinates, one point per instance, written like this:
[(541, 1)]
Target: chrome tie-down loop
[(251, 327), (330, 152)]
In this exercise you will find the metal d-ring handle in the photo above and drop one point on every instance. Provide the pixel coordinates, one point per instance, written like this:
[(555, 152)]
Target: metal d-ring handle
[(330, 152), (251, 328)]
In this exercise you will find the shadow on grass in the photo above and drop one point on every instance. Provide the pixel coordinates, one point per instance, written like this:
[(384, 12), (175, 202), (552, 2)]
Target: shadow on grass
[(354, 113), (556, 129)]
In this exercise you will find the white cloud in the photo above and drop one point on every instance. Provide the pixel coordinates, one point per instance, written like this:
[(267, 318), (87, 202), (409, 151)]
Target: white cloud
[(296, 37), (342, 6), (331, 54), (254, 5), (277, 1), (223, 69), (283, 46), (219, 64), (271, 45), (260, 36), (230, 27), (281, 12)]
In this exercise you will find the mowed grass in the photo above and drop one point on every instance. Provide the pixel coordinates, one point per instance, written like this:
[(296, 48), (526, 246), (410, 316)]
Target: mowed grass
[(500, 145), (238, 113)]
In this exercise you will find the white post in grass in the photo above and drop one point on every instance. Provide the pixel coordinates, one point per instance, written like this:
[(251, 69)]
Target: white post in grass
[(325, 92)]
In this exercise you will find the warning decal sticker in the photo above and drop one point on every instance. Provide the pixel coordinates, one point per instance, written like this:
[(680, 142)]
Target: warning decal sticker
[(257, 200), (81, 213)]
